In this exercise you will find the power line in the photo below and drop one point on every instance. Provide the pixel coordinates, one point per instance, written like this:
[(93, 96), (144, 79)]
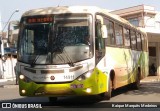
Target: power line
[(59, 2)]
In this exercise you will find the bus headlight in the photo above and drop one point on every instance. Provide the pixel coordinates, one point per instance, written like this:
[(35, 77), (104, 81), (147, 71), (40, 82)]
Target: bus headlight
[(85, 75), (21, 77), (24, 78), (88, 90), (23, 91)]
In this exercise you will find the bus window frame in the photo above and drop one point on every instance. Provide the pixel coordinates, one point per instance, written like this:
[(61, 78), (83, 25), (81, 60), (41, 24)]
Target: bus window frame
[(110, 20), (122, 35), (139, 48), (130, 28), (113, 32), (127, 28), (134, 32)]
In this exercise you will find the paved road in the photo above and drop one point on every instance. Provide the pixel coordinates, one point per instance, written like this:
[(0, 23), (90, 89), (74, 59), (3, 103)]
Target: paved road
[(149, 92)]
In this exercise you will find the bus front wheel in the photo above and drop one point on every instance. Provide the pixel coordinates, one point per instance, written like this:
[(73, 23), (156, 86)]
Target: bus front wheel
[(108, 94)]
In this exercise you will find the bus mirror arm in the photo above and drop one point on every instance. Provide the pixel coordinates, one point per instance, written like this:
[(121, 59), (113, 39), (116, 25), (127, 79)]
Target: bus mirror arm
[(103, 28)]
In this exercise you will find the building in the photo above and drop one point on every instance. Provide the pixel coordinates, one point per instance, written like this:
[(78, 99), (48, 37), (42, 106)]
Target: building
[(9, 40), (13, 29), (0, 23), (147, 18)]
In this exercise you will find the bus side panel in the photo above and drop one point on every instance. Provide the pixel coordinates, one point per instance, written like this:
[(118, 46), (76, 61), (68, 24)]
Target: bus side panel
[(144, 65), (125, 63)]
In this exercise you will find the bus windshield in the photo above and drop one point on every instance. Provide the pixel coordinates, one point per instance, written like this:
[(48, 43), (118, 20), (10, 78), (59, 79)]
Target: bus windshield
[(60, 39)]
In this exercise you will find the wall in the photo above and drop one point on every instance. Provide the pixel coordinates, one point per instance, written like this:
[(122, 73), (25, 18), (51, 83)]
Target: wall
[(8, 71)]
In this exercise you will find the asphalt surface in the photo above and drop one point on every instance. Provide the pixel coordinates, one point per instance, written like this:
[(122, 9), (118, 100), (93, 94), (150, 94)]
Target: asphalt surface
[(12, 84), (5, 83)]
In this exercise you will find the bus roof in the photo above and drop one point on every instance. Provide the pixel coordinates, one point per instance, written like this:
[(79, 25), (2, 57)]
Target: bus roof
[(76, 9), (62, 9)]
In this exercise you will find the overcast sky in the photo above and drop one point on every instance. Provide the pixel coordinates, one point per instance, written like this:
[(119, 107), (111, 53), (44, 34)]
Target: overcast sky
[(7, 7)]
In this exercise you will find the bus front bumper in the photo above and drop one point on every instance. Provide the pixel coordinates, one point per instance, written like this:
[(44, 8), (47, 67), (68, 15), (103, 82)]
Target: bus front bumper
[(96, 84), (33, 89)]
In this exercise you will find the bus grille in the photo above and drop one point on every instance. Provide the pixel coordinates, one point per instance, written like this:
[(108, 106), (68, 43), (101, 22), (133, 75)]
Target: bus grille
[(54, 91)]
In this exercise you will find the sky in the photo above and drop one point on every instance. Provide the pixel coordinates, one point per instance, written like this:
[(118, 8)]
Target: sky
[(7, 7)]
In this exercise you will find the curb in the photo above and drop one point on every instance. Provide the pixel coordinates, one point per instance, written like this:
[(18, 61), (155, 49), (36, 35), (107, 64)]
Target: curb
[(8, 83), (8, 86), (151, 80), (3, 80)]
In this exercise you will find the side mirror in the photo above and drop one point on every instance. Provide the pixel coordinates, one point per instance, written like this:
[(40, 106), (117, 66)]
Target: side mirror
[(104, 31)]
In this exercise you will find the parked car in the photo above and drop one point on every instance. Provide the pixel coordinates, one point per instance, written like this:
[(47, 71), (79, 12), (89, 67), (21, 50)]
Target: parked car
[(9, 50)]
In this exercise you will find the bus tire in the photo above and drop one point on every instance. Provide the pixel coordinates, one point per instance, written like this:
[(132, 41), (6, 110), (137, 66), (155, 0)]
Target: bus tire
[(108, 94), (136, 84), (53, 99)]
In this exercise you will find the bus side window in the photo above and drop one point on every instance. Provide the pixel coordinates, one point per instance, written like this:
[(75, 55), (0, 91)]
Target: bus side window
[(139, 42), (119, 35), (127, 42), (28, 42), (110, 40), (99, 41), (133, 40)]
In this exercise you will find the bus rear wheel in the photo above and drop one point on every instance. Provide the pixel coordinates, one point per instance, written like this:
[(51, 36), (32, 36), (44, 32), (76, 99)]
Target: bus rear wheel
[(136, 84), (53, 99)]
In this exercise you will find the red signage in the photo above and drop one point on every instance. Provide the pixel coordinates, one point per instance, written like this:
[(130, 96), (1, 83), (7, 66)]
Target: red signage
[(40, 20)]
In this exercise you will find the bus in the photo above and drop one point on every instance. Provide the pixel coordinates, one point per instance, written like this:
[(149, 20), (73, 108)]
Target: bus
[(78, 51)]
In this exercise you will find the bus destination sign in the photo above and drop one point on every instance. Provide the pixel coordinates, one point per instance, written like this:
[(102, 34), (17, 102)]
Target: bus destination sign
[(39, 20)]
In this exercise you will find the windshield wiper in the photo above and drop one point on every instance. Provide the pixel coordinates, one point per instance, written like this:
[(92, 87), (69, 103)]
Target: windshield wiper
[(33, 63), (58, 53), (57, 42), (70, 63)]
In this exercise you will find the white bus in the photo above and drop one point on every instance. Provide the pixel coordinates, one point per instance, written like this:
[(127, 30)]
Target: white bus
[(78, 50)]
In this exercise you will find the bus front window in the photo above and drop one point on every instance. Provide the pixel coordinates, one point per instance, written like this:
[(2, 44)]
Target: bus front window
[(67, 39)]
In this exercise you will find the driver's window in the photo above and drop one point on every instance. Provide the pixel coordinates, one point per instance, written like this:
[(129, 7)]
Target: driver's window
[(98, 33), (28, 44)]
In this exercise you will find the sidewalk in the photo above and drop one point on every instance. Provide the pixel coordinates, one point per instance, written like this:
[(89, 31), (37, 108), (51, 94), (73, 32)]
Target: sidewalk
[(151, 79), (8, 83)]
